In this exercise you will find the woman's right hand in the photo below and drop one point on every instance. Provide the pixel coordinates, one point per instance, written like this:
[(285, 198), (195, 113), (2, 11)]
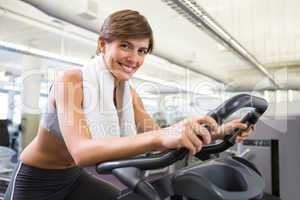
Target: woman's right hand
[(189, 133)]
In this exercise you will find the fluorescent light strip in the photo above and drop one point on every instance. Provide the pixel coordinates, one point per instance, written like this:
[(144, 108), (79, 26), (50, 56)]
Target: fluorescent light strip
[(39, 53), (190, 9)]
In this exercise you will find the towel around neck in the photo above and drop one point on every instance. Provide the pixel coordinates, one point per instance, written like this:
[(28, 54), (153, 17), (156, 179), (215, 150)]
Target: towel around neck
[(103, 118)]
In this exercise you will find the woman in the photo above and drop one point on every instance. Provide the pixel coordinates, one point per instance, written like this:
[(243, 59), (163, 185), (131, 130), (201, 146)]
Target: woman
[(50, 166)]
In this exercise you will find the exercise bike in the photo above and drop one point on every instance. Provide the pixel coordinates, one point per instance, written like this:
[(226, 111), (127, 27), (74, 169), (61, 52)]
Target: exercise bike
[(232, 178)]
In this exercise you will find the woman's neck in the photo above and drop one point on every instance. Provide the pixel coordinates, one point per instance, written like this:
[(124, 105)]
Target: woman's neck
[(116, 82)]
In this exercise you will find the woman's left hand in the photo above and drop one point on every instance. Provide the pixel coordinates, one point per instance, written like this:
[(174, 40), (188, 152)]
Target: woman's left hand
[(224, 129)]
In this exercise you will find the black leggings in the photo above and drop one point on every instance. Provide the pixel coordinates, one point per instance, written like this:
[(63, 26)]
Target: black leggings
[(31, 183)]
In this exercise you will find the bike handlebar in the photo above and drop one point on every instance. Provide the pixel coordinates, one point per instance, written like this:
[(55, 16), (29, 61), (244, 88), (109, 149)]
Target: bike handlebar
[(219, 114)]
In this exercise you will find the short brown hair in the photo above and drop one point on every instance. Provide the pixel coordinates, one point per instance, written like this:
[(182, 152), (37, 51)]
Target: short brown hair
[(126, 24)]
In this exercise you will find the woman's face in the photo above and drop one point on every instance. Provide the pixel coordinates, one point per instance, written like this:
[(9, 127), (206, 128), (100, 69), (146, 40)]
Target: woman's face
[(124, 57)]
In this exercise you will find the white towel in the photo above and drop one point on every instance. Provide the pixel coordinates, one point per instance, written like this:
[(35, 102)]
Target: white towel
[(103, 118)]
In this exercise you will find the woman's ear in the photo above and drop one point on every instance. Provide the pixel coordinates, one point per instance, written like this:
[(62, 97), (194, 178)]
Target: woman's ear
[(101, 45)]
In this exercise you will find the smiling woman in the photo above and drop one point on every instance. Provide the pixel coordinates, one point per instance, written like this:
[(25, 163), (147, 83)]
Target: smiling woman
[(64, 142)]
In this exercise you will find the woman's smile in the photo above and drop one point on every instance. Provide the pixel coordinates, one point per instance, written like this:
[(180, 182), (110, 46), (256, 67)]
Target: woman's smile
[(127, 67)]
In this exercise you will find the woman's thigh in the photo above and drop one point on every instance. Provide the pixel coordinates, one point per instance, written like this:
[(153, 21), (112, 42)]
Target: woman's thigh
[(91, 188)]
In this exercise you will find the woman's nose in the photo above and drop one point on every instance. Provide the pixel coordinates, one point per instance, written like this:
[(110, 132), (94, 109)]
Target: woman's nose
[(134, 58)]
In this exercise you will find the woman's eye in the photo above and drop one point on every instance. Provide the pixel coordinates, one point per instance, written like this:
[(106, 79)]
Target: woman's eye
[(143, 52), (124, 46)]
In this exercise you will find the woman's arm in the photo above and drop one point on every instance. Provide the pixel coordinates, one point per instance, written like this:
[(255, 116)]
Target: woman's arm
[(74, 127), (143, 121), (87, 151)]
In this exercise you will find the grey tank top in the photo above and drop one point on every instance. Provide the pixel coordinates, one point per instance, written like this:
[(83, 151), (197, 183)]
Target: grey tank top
[(49, 119)]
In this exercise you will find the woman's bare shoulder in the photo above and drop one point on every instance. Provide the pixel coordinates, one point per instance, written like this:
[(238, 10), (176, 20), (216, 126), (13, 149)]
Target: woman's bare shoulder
[(69, 82), (73, 75)]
